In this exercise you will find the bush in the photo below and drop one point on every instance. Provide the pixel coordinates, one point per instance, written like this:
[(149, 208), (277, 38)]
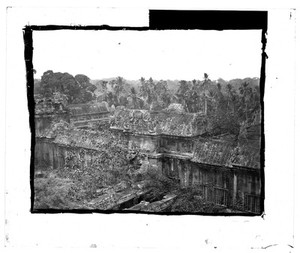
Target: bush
[(190, 199), (53, 192), (159, 183)]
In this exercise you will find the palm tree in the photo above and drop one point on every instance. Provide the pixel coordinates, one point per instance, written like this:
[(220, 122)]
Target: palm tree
[(205, 77)]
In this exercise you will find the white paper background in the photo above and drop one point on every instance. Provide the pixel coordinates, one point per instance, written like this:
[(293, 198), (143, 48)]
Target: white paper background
[(130, 231)]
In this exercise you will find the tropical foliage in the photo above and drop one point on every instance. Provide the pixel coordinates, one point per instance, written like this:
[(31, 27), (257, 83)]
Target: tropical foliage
[(78, 181), (227, 106), (78, 89)]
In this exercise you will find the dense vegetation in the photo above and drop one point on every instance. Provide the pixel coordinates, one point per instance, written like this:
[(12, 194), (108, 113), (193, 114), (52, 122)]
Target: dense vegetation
[(75, 184), (229, 106), (78, 89)]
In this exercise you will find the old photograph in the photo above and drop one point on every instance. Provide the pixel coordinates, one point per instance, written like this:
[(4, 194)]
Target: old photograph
[(149, 121)]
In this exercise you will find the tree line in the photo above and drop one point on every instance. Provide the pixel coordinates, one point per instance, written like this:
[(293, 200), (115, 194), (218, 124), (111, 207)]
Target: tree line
[(227, 105), (77, 89)]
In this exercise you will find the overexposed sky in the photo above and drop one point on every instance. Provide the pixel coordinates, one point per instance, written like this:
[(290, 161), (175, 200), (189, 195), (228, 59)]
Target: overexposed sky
[(167, 54)]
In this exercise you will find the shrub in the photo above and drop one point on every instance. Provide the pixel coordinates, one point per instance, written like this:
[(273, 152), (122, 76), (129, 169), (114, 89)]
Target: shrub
[(52, 192)]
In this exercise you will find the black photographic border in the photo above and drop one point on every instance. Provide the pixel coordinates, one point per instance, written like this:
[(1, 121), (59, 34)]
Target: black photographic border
[(160, 20)]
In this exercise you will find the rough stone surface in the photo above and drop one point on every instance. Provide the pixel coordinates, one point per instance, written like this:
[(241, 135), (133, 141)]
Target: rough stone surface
[(150, 122)]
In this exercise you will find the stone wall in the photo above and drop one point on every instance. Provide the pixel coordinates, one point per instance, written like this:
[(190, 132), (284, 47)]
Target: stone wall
[(89, 117), (55, 155), (43, 121), (230, 187), (225, 186)]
